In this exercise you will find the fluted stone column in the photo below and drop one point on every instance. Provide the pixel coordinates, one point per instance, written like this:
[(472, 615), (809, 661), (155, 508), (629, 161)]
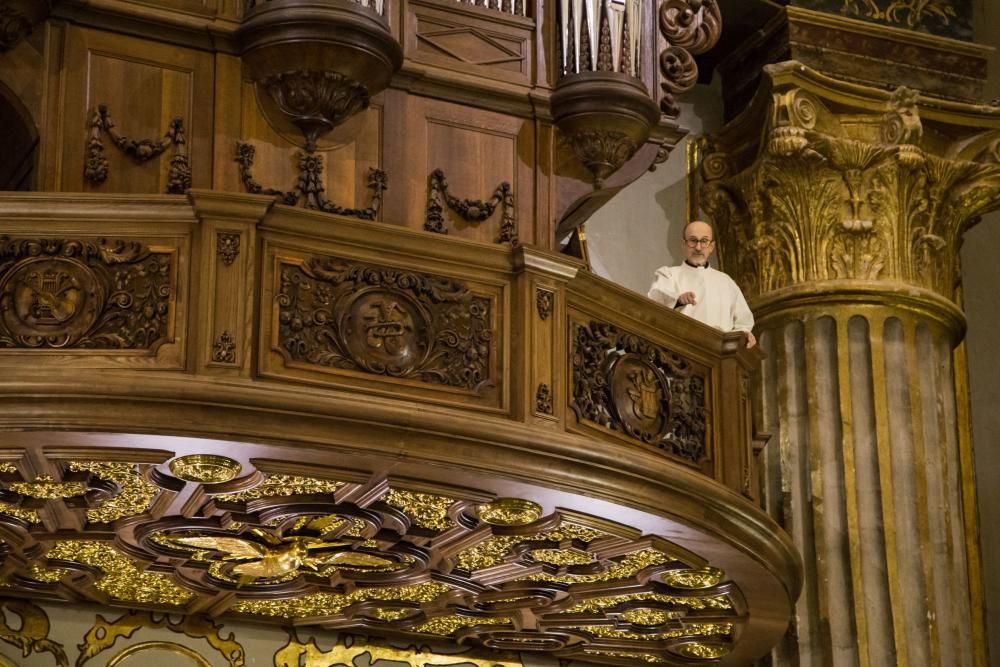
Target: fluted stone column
[(842, 222)]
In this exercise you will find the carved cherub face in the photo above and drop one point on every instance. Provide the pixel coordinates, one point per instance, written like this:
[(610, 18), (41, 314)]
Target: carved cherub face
[(699, 242)]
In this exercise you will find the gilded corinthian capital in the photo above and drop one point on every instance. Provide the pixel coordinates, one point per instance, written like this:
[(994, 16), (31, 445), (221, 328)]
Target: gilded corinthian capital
[(822, 180)]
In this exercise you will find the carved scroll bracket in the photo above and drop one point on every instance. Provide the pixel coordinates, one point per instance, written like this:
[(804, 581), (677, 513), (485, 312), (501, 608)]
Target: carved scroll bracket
[(471, 210), (310, 189), (96, 169), (690, 27)]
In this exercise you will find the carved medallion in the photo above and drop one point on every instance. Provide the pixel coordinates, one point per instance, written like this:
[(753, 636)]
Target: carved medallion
[(385, 321), (640, 396), (385, 330), (60, 294), (628, 384)]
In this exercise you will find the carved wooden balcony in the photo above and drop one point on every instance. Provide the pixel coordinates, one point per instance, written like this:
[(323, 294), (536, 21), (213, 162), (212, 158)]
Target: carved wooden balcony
[(428, 437)]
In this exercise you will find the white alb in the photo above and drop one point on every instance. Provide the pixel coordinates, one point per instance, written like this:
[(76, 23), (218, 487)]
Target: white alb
[(718, 300)]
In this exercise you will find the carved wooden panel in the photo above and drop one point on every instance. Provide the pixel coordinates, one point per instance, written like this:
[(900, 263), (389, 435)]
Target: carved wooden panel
[(145, 85), (631, 386), (477, 151), (342, 321), (348, 153), (470, 39), (93, 301)]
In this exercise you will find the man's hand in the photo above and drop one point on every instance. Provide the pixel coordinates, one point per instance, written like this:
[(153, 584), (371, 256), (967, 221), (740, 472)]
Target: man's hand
[(749, 338), (686, 299)]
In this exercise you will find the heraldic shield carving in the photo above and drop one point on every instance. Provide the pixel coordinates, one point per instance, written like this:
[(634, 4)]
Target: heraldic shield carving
[(626, 383)]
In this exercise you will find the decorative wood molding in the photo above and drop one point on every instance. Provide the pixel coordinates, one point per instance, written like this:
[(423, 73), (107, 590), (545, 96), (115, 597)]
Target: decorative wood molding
[(224, 349), (310, 189), (690, 27), (543, 399), (544, 300), (471, 210), (96, 168)]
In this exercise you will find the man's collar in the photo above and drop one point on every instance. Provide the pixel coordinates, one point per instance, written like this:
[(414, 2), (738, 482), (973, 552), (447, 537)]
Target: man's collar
[(697, 266)]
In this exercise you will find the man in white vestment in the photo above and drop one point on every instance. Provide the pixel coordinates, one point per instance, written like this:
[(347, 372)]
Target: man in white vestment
[(698, 290)]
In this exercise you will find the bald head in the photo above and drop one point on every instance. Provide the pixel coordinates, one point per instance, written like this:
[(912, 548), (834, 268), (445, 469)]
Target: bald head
[(699, 242)]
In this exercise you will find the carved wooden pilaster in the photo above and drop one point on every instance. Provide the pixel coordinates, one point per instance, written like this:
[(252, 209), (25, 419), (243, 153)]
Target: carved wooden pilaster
[(842, 222), (227, 263)]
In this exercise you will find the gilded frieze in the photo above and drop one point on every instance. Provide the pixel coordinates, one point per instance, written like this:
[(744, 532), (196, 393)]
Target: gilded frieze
[(383, 321), (628, 384), (95, 294)]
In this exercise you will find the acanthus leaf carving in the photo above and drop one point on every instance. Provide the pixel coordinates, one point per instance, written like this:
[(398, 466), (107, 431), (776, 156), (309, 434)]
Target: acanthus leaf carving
[(385, 321), (60, 293), (817, 203), (626, 383)]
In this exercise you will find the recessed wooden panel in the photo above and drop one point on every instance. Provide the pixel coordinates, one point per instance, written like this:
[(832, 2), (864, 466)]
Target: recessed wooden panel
[(333, 318), (472, 39), (477, 151), (145, 85)]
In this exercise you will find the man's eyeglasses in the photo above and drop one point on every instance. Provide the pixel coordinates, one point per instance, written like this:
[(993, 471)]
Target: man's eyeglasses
[(694, 243)]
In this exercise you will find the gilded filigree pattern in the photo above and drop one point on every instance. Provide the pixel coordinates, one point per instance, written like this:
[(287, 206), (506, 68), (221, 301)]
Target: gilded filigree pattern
[(135, 495), (278, 486), (44, 487), (627, 567), (424, 509), (689, 630), (325, 604), (493, 550), (597, 604), (120, 579), (448, 625)]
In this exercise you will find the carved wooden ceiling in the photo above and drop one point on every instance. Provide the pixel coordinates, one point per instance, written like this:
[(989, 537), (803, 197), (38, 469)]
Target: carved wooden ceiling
[(278, 542)]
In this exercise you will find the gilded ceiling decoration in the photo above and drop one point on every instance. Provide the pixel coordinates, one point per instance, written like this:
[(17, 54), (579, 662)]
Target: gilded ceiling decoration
[(378, 555)]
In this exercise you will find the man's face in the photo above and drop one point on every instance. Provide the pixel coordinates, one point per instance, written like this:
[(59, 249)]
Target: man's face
[(698, 242)]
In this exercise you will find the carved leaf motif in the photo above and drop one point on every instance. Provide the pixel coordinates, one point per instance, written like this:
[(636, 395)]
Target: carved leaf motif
[(385, 321)]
